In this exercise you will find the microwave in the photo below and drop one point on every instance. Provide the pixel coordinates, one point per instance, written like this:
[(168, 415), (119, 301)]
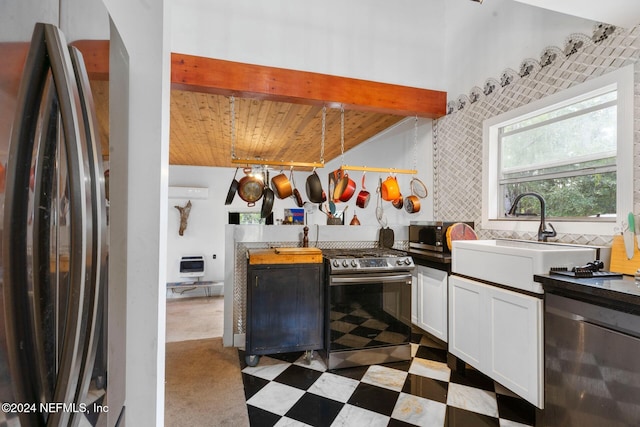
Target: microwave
[(431, 236)]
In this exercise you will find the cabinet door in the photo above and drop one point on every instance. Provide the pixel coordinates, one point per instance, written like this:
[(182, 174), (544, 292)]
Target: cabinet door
[(515, 342), (432, 301), (414, 297), (467, 333), (284, 309)]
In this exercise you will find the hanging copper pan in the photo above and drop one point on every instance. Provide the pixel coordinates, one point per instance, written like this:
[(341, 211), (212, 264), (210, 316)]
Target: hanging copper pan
[(251, 187), (362, 200), (281, 186), (398, 203), (412, 204)]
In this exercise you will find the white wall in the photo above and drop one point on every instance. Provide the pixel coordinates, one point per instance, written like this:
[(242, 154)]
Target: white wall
[(448, 45), (623, 13), (76, 26), (139, 152), (205, 230), (19, 16), (394, 42), (481, 40)]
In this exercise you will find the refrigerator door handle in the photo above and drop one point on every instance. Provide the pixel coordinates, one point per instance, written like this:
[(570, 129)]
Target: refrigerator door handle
[(97, 256), (21, 349), (45, 293), (48, 52)]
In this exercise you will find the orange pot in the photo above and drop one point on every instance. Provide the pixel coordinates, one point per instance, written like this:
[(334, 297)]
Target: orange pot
[(281, 186), (390, 190)]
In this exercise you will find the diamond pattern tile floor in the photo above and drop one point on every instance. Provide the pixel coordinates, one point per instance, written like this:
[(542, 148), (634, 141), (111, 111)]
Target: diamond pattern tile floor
[(283, 390)]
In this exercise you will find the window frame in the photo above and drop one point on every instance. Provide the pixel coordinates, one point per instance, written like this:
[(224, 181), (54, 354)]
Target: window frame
[(622, 80)]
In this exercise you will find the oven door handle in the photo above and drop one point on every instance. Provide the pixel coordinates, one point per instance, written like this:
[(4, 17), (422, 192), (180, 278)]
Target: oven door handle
[(377, 279)]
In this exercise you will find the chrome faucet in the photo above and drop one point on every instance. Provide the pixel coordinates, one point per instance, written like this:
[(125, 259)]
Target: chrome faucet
[(543, 233)]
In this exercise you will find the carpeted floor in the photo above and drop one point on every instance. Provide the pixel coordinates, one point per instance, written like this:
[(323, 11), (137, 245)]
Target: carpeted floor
[(203, 385)]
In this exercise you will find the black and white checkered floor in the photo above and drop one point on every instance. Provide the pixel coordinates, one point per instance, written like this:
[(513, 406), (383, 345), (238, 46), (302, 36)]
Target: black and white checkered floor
[(284, 390)]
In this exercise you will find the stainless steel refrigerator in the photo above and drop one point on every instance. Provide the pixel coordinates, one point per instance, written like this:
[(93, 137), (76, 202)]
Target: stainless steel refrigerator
[(53, 233)]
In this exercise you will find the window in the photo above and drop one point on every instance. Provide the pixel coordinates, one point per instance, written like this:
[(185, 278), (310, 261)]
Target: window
[(573, 148)]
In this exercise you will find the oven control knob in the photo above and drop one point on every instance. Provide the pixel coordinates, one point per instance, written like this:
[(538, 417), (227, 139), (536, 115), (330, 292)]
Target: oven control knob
[(407, 261), (354, 264), (345, 263), (399, 261), (336, 263)]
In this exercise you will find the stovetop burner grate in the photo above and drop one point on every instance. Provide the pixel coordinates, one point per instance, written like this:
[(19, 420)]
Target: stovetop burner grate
[(363, 253)]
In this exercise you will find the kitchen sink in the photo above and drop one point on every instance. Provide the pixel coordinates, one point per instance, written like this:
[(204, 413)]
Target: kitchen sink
[(514, 262)]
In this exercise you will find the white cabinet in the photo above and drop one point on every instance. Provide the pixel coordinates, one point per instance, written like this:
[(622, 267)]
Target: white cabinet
[(429, 303), (516, 343), (499, 332), (466, 330)]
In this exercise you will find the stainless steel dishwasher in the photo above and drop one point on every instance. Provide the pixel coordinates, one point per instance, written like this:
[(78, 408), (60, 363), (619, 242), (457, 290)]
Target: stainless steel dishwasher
[(592, 364)]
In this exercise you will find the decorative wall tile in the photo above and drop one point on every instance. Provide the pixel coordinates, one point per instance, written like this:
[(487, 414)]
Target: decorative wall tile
[(457, 137)]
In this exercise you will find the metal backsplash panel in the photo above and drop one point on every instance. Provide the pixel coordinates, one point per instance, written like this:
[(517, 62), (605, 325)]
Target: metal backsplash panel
[(457, 136)]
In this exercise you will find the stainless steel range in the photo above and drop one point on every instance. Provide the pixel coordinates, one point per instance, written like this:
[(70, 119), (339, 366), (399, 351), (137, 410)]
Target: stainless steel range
[(368, 317)]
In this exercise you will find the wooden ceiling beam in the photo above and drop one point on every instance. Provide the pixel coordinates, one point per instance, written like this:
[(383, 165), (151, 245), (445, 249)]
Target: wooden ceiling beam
[(209, 75)]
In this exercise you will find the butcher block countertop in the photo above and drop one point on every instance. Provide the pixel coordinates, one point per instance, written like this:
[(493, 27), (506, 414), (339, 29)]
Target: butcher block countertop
[(285, 256)]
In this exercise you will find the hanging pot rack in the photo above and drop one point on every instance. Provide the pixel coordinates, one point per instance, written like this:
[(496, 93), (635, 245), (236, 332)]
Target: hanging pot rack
[(277, 163), (263, 162), (384, 170)]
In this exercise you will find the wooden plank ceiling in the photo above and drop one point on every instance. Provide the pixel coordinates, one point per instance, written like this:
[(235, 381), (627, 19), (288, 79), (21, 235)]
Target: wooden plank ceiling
[(278, 112), (270, 130), (200, 130)]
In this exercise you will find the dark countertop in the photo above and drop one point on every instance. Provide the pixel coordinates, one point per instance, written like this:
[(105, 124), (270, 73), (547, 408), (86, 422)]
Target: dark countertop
[(619, 293), (436, 257), (436, 260)]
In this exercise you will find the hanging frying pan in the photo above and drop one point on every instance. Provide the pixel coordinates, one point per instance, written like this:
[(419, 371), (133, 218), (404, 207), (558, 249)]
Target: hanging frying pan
[(267, 202), (315, 193), (233, 188)]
